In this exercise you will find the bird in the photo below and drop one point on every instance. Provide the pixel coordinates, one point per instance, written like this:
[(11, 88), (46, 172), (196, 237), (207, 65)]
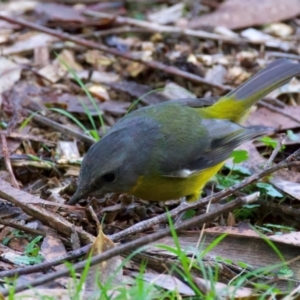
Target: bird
[(171, 150)]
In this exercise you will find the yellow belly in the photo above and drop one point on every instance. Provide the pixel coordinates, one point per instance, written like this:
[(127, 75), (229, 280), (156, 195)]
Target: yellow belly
[(157, 188)]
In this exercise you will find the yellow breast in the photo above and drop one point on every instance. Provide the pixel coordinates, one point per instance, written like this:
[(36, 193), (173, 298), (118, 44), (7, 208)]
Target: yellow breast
[(158, 188)]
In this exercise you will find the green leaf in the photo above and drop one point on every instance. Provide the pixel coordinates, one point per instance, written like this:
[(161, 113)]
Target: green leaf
[(27, 260), (285, 272), (6, 240), (263, 229), (35, 158), (3, 125), (239, 156), (240, 169), (292, 136), (189, 214), (139, 16), (278, 226), (225, 260), (226, 181), (251, 206), (269, 189), (243, 265), (268, 141), (32, 248)]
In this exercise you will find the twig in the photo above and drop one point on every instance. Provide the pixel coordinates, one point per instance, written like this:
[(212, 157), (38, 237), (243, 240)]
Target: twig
[(278, 209), (279, 111), (44, 266), (36, 138), (163, 28), (47, 217), (275, 151), (116, 30), (127, 55), (7, 161), (145, 240), (62, 128), (282, 54), (105, 5), (94, 217), (22, 227), (294, 294), (275, 100)]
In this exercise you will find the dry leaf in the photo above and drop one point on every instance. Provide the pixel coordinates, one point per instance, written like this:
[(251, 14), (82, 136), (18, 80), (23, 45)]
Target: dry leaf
[(97, 76), (9, 74), (279, 29), (292, 238), (290, 188), (237, 75), (35, 294), (59, 12), (108, 271), (143, 92), (18, 7), (99, 92), (59, 67), (168, 282), (68, 151), (167, 15), (235, 14), (175, 91), (265, 117), (216, 74), (258, 36), (28, 42), (135, 68)]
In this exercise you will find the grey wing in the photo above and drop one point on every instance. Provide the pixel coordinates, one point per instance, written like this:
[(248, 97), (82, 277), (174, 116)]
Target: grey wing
[(217, 141)]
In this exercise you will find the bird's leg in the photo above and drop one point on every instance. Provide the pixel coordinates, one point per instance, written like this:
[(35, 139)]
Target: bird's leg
[(181, 217)]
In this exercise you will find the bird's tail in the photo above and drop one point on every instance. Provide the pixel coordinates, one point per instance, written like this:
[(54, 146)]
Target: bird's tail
[(235, 105)]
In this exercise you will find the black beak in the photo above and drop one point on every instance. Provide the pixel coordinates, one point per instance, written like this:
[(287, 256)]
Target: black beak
[(76, 197)]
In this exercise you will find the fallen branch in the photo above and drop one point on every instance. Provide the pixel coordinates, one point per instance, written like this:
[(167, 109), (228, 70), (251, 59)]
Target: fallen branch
[(21, 227), (275, 151), (154, 27), (45, 266), (62, 128), (46, 216)]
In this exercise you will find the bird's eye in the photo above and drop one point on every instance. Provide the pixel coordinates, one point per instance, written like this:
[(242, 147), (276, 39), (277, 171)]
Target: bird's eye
[(108, 177)]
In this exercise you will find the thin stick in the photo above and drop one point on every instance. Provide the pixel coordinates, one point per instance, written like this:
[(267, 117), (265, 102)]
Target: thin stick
[(7, 162), (275, 151), (116, 30), (278, 110), (94, 217), (282, 54), (22, 227), (62, 128), (293, 294), (44, 266), (163, 28)]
